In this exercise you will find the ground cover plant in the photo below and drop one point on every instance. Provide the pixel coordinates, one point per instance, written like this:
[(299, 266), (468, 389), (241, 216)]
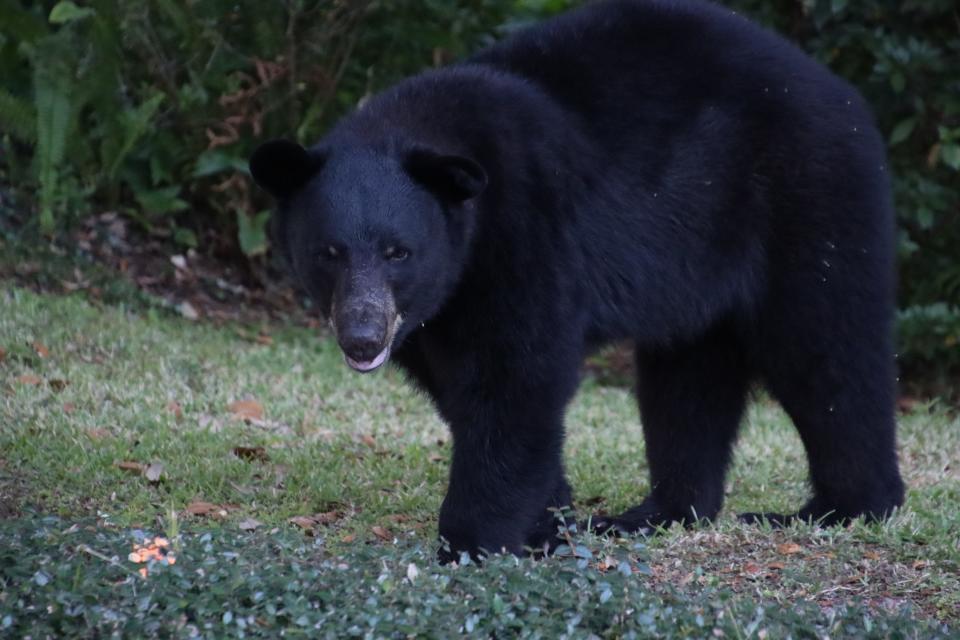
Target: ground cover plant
[(299, 498)]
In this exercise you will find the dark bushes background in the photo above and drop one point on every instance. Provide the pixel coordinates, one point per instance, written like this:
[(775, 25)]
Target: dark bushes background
[(150, 108)]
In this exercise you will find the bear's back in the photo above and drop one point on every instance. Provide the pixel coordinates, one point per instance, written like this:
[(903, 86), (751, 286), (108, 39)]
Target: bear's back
[(664, 60)]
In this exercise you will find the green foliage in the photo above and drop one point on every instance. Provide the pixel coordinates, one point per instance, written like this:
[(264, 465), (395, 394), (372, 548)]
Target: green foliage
[(75, 581), (153, 108)]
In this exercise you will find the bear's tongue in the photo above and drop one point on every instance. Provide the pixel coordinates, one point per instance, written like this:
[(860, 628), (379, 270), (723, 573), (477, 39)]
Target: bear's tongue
[(368, 365)]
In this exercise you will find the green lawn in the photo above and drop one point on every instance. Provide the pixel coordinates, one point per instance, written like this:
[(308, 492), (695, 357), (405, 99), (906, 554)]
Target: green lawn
[(85, 388)]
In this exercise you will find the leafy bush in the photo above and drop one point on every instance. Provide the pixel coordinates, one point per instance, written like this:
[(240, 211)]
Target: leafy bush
[(151, 108)]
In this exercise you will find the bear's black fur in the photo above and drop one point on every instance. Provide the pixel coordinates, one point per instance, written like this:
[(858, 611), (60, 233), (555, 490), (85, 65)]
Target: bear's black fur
[(658, 170)]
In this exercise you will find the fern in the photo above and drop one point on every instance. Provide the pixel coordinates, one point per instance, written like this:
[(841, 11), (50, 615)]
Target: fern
[(17, 117), (135, 123), (53, 89)]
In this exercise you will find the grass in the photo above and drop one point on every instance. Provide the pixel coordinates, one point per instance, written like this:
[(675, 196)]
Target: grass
[(84, 388)]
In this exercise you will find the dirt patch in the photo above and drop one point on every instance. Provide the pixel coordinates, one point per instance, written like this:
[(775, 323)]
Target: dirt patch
[(200, 285)]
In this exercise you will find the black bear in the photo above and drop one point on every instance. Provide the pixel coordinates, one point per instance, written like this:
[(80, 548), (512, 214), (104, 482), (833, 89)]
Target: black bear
[(659, 170)]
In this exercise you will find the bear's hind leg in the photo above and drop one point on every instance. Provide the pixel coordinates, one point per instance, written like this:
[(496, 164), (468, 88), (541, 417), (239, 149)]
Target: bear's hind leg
[(840, 396), (691, 401)]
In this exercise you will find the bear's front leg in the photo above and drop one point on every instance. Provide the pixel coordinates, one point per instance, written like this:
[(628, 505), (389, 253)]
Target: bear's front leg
[(506, 483), (507, 477)]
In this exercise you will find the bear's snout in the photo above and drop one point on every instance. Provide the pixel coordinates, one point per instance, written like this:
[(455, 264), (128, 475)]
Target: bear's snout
[(363, 343), (365, 327)]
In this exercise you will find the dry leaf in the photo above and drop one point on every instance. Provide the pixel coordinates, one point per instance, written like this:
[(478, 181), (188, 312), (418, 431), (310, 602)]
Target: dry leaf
[(29, 378), (264, 339), (249, 524), (919, 564), (100, 434), (41, 349), (3, 354), (382, 533), (175, 409), (132, 467), (779, 566), (752, 568), (201, 508), (246, 409), (369, 440), (250, 454), (154, 472), (871, 555), (348, 538), (188, 311), (328, 517), (69, 407), (436, 457), (58, 385), (304, 522), (789, 548)]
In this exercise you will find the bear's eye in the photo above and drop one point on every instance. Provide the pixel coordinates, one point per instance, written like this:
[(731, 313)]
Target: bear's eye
[(396, 254), (330, 252)]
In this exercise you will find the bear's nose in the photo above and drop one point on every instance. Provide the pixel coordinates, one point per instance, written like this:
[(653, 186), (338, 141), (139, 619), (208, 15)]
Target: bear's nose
[(362, 342)]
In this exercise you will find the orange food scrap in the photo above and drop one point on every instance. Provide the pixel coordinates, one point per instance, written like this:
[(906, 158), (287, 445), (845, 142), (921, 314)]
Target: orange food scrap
[(156, 550)]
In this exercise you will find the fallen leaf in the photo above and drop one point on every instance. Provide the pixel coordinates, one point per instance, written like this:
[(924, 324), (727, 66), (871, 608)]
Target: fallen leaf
[(69, 407), (188, 311), (264, 339), (919, 564), (249, 524), (789, 548), (871, 555), (752, 568), (58, 385), (41, 349), (436, 457), (304, 522), (175, 409), (132, 467), (348, 538), (201, 508), (154, 472), (99, 434), (382, 533), (399, 518), (3, 354), (246, 409), (779, 566), (250, 454), (328, 517), (369, 440), (29, 378)]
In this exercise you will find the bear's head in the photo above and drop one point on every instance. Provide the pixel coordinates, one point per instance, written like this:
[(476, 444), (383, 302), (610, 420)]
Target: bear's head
[(377, 238)]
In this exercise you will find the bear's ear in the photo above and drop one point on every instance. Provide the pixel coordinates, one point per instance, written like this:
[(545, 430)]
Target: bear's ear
[(281, 167), (453, 178)]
